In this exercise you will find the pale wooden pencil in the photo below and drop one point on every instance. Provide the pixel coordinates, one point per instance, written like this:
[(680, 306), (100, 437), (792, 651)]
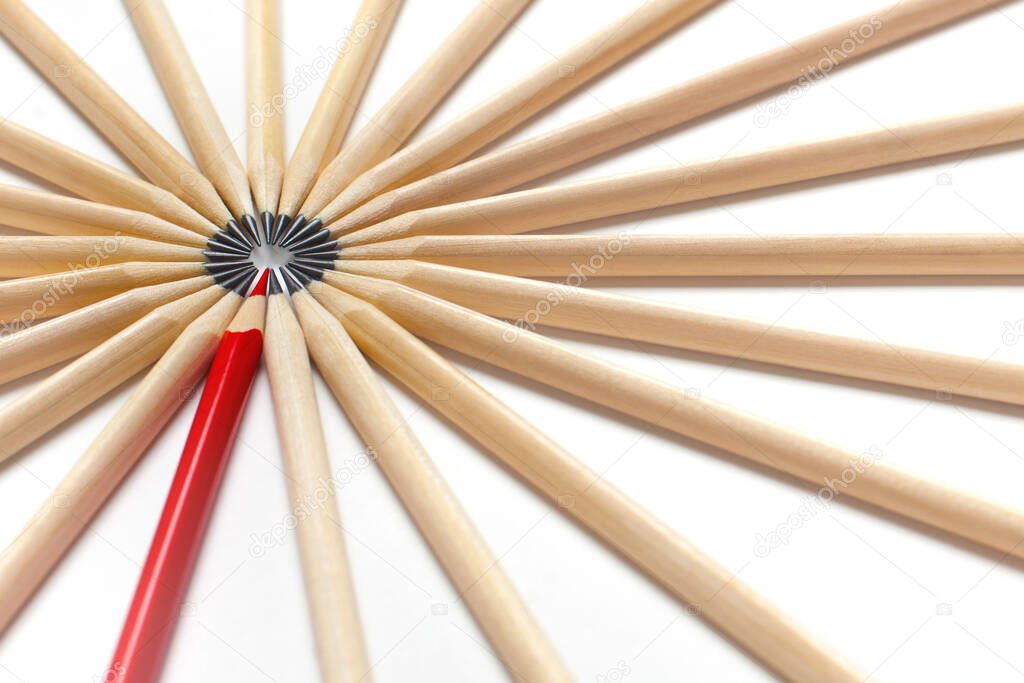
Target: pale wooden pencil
[(92, 179), (44, 345), (124, 127), (330, 593), (329, 123), (587, 497), (80, 383), (264, 90), (502, 112), (28, 300), (630, 255), (470, 564), (801, 62), (54, 214), (399, 118), (28, 256), (530, 303), (555, 205), (210, 143), (30, 558), (865, 477)]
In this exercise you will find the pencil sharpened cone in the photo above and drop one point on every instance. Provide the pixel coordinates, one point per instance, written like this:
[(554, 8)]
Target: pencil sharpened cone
[(252, 229)]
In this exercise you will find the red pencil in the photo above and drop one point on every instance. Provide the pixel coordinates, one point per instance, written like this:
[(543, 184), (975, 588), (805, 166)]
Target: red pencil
[(152, 618)]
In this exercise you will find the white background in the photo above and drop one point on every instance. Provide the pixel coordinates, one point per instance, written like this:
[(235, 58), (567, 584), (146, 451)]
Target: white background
[(902, 602)]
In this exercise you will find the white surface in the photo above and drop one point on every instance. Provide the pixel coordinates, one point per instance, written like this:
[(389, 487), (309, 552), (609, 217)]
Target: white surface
[(902, 603)]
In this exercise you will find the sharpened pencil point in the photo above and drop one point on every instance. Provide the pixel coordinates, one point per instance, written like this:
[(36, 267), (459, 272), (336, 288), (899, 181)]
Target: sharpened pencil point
[(279, 227), (275, 286), (267, 219), (306, 232), (291, 281), (252, 229), (293, 228), (236, 231), (261, 286), (310, 240), (220, 256)]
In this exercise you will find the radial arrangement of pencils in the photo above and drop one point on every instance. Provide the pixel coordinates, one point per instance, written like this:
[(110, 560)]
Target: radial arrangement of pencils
[(395, 244)]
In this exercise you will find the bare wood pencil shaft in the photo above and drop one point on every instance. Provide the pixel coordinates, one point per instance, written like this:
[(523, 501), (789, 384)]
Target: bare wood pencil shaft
[(584, 495), (210, 143), (27, 256), (265, 83), (126, 130), (93, 179), (53, 214), (546, 207), (331, 118), (472, 567), (862, 476), (55, 341), (66, 392), (329, 589), (530, 303), (27, 300), (82, 492), (452, 143), (803, 61), (399, 118), (629, 255)]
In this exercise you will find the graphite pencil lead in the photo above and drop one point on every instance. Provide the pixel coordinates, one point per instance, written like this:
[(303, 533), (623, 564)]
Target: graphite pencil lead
[(218, 267), (275, 286), (252, 229), (311, 272), (293, 283), (220, 255), (224, 241), (280, 225), (267, 219), (236, 231), (308, 228), (240, 282), (308, 240), (290, 231)]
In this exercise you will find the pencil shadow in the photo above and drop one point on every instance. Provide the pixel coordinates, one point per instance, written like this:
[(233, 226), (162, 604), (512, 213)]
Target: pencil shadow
[(741, 464)]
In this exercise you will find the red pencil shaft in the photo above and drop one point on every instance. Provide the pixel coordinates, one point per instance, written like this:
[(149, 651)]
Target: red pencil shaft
[(152, 617)]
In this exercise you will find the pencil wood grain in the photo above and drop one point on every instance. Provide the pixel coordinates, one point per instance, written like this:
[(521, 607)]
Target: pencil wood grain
[(470, 564), (863, 476), (29, 559), (691, 576)]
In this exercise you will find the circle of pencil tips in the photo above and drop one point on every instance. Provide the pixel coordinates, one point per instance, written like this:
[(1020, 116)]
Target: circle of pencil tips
[(390, 243)]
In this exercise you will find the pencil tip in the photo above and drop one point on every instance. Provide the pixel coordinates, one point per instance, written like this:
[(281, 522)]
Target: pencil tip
[(294, 227), (291, 281), (236, 231), (268, 226), (252, 229), (274, 285), (261, 285), (279, 227)]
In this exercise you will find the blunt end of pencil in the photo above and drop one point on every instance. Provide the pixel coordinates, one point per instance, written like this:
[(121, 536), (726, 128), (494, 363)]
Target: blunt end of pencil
[(261, 285)]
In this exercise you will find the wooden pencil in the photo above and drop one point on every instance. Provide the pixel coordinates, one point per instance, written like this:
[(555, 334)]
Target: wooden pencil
[(28, 256), (832, 470), (472, 567), (330, 594), (507, 109), (533, 303), (546, 207), (411, 104), (800, 63), (149, 627), (41, 346), (92, 179), (708, 588), (631, 255), (48, 213), (29, 559), (332, 116), (94, 99), (80, 383), (29, 300), (213, 148), (265, 96)]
